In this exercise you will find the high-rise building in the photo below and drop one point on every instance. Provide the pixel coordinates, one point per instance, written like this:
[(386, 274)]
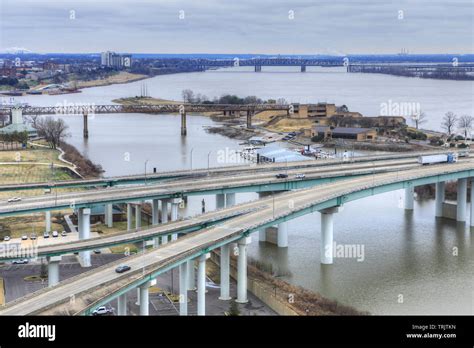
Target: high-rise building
[(114, 60)]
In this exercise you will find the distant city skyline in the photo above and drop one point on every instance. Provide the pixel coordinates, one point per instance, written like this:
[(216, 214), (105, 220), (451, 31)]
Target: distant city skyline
[(336, 27)]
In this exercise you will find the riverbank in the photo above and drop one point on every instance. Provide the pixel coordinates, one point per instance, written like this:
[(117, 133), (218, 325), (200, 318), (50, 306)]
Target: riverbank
[(282, 297), (120, 78)]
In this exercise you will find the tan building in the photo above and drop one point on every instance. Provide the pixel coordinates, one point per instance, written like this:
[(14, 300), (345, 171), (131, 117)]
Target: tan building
[(358, 134)]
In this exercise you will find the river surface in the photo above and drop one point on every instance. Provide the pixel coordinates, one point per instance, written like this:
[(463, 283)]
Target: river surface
[(412, 263)]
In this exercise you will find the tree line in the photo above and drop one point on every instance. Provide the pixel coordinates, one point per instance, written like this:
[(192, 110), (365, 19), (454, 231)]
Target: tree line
[(190, 97)]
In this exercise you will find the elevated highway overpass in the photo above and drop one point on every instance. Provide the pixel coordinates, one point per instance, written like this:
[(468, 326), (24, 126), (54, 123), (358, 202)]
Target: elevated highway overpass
[(142, 179), (81, 294)]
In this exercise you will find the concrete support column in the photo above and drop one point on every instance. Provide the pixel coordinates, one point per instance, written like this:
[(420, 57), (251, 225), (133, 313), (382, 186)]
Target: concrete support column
[(154, 219), (84, 224), (283, 235), (129, 216), (229, 199), (144, 298), (462, 199), (225, 280), (174, 214), (440, 195), (183, 123), (327, 234), (109, 215), (472, 203), (262, 235), (85, 127), (191, 275), (53, 270), (138, 216), (183, 289), (201, 282), (242, 270), (47, 218), (220, 201), (122, 304), (409, 198), (164, 211)]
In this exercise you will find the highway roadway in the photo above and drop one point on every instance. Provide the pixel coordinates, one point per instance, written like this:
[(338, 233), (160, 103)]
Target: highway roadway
[(88, 290), (199, 173), (238, 182)]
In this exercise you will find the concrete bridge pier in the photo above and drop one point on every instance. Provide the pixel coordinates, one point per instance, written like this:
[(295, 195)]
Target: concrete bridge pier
[(191, 275), (282, 237), (175, 202), (225, 279), (122, 304), (220, 201), (440, 196), (138, 215), (53, 270), (47, 218), (303, 68), (229, 199), (249, 118), (461, 201), (183, 289), (144, 298), (242, 270), (201, 284), (86, 128), (183, 123), (84, 226), (129, 216), (258, 68), (109, 215), (327, 234), (409, 198), (155, 219), (164, 217)]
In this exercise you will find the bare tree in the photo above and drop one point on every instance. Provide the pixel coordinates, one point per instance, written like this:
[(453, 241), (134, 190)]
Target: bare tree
[(465, 124), (419, 119), (449, 122), (54, 131), (281, 101), (188, 95), (33, 119)]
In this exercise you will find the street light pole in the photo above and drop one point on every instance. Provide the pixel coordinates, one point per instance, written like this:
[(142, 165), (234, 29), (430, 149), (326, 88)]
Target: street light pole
[(146, 162)]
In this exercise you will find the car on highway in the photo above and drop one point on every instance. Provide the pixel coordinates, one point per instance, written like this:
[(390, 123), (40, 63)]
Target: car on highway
[(102, 310), (14, 199), (55, 234), (64, 233), (33, 236), (6, 238), (97, 251), (24, 237), (281, 176), (46, 235), (300, 176), (122, 268), (20, 262)]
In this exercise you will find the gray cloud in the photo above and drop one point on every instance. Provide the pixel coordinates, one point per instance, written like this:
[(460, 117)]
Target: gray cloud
[(243, 26)]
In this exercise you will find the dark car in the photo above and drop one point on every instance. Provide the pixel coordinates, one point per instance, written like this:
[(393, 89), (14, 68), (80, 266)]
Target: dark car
[(122, 268), (281, 176)]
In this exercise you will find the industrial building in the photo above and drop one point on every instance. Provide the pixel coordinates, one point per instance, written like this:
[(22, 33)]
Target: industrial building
[(358, 134), (114, 60)]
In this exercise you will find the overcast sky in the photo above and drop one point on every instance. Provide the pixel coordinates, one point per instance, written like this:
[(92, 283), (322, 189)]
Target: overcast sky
[(238, 26)]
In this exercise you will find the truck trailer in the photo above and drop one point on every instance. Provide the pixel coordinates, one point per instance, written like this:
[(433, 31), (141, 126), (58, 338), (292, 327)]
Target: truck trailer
[(441, 158)]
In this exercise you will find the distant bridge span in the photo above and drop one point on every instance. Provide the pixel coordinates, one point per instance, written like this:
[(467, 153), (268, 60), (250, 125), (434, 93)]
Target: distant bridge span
[(182, 109)]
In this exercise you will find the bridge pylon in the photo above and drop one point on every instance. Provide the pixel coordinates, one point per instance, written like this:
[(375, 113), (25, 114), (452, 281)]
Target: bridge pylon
[(86, 128), (183, 123)]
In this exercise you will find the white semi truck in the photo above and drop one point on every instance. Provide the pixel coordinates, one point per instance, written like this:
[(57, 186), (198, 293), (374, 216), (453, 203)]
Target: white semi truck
[(441, 158)]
